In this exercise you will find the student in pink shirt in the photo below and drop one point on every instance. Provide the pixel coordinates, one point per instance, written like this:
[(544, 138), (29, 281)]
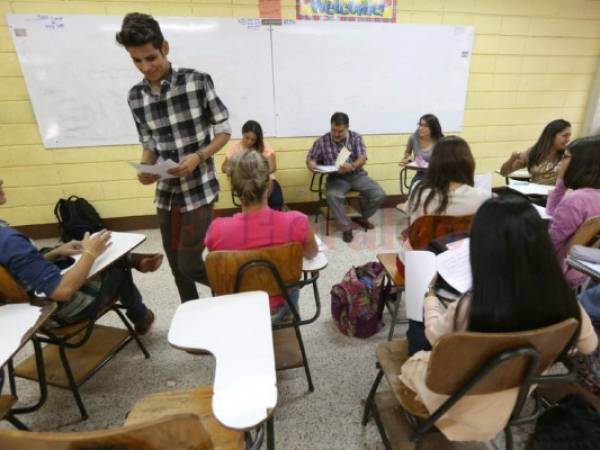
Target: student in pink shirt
[(258, 225), (252, 139), (580, 171)]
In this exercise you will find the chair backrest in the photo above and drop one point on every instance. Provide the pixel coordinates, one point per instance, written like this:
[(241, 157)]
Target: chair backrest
[(177, 432), (10, 289), (456, 357), (427, 228), (222, 268), (586, 233)]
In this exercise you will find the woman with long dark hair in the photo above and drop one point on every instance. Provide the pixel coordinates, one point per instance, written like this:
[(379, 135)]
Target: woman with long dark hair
[(542, 159), (518, 285), (448, 185), (252, 139)]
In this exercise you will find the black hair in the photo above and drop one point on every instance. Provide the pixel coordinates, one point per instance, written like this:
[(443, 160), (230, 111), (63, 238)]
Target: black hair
[(539, 151), (434, 126), (584, 168), (518, 284), (451, 160), (140, 29), (340, 118), (573, 424), (252, 126)]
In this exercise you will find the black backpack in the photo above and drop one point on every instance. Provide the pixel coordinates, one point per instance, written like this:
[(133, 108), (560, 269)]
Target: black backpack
[(75, 216)]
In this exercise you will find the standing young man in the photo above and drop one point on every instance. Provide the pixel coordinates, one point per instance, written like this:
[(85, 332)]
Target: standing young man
[(350, 176), (174, 112)]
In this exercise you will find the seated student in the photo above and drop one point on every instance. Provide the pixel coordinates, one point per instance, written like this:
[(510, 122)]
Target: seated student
[(517, 286), (421, 142), (258, 225), (76, 296), (542, 159), (448, 185), (252, 139), (579, 171), (350, 175)]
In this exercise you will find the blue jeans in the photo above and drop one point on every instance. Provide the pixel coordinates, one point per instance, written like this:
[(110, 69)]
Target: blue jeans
[(590, 301), (283, 313)]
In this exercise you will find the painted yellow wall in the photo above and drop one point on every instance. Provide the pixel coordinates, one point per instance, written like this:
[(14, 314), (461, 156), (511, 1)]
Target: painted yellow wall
[(533, 61)]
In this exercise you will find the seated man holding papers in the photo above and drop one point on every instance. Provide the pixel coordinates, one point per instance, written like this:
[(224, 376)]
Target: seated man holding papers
[(345, 150), (75, 293)]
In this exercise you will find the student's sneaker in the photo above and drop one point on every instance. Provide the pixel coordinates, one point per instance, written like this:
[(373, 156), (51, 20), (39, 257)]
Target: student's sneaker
[(364, 223), (347, 236), (143, 326)]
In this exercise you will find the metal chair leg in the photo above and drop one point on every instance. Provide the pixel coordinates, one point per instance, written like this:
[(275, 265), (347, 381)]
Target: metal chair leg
[(72, 383), (371, 397), (311, 388), (42, 382), (381, 429), (508, 436), (132, 333), (16, 423), (394, 315), (270, 434)]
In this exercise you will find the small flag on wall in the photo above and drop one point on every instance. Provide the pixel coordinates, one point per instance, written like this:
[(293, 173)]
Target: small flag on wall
[(269, 9), (347, 10)]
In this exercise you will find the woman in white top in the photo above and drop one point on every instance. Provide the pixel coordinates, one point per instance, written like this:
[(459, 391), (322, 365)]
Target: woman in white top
[(448, 185)]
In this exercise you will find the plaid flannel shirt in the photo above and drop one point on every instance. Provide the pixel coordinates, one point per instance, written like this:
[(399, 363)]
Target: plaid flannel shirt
[(325, 152), (177, 122)]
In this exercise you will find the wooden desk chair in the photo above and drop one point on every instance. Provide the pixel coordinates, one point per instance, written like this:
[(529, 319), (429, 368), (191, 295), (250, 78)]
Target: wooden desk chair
[(179, 431), (75, 352), (318, 185), (481, 363), (272, 269), (588, 234), (427, 228)]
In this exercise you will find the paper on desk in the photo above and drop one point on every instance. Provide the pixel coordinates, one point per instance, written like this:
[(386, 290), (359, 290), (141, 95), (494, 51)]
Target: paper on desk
[(419, 269), (526, 188), (320, 244), (542, 212), (160, 168), (484, 182), (15, 321), (325, 169), (121, 243), (454, 266), (342, 157)]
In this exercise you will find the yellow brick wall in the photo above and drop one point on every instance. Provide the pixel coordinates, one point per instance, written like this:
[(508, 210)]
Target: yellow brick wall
[(533, 61)]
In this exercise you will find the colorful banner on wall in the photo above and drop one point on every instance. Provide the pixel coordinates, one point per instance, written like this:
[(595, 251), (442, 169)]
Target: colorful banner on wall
[(350, 10)]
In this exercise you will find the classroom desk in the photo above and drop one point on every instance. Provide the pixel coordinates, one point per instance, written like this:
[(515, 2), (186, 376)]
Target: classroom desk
[(388, 261), (588, 268), (18, 324), (236, 329), (404, 174), (521, 174), (527, 188)]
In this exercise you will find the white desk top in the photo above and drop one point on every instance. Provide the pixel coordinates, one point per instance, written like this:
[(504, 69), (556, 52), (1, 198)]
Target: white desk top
[(236, 329), (517, 174), (319, 262), (325, 169), (413, 165), (527, 188), (121, 243), (16, 320)]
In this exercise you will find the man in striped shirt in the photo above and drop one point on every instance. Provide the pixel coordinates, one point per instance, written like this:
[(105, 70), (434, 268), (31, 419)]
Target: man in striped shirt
[(175, 111)]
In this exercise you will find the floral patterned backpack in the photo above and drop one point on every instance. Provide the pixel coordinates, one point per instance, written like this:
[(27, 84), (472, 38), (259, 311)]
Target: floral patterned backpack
[(357, 302)]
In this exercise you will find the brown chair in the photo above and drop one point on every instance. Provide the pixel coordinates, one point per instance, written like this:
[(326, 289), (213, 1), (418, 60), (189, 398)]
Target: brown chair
[(272, 269), (179, 431), (588, 234), (427, 228), (73, 353), (481, 363), (353, 199), (420, 234)]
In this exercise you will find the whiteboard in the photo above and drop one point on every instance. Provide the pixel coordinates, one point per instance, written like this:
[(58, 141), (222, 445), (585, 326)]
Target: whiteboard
[(384, 76), (78, 76), (290, 78)]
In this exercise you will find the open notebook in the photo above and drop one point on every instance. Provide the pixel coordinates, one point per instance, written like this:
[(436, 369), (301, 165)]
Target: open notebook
[(421, 266)]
